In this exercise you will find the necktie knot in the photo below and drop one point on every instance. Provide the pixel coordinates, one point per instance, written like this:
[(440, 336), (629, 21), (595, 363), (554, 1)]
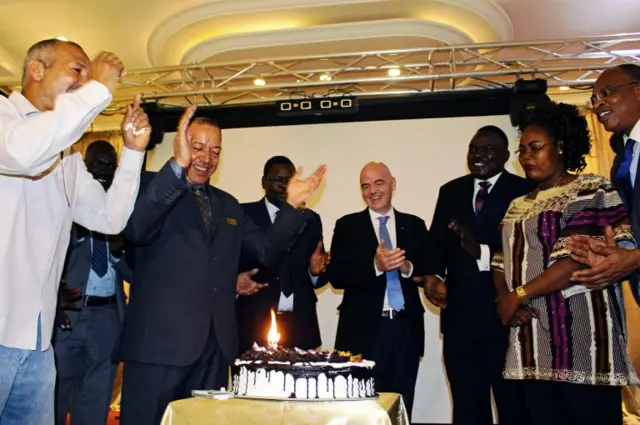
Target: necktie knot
[(383, 219), (485, 185), (197, 190)]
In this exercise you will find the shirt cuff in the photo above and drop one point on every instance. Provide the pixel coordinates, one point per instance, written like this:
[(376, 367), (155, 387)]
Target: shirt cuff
[(131, 160), (408, 275), (178, 170), (314, 279), (484, 263)]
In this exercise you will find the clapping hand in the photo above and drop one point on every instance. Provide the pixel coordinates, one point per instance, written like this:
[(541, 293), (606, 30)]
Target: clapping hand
[(299, 190), (245, 285), (467, 241), (181, 142), (136, 130), (389, 259), (319, 260), (608, 264)]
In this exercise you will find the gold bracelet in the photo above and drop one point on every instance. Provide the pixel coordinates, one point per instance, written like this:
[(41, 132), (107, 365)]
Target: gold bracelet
[(522, 295)]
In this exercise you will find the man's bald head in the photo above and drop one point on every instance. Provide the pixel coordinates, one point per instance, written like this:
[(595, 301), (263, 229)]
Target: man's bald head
[(377, 185)]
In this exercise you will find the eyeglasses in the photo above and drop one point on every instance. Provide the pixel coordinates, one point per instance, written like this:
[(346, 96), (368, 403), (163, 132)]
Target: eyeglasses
[(607, 92), (522, 150)]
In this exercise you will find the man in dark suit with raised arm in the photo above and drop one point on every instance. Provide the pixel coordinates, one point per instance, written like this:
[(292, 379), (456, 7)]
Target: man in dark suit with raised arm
[(374, 255), (290, 289), (180, 331), (465, 232)]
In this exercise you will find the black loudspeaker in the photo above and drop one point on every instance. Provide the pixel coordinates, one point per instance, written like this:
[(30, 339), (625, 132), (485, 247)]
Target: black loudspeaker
[(527, 95), (156, 121), (317, 106)]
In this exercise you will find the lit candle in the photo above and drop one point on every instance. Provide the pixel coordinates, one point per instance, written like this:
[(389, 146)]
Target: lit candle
[(273, 337)]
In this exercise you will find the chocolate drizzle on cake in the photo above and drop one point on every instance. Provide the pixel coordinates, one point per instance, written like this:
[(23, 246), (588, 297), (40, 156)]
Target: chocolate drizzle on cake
[(292, 365)]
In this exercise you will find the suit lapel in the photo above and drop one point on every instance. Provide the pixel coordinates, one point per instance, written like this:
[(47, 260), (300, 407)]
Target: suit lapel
[(467, 210), (262, 217), (401, 229), (369, 233)]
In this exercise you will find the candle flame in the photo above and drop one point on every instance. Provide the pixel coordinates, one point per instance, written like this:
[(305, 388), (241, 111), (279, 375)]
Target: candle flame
[(273, 337)]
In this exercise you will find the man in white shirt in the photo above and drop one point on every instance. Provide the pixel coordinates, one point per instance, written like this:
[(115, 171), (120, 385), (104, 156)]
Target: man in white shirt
[(374, 254), (42, 194)]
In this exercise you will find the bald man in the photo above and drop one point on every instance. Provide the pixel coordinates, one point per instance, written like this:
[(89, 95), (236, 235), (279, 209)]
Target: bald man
[(374, 255)]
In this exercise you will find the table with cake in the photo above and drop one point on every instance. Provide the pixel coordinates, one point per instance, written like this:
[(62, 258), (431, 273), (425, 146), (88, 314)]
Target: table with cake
[(280, 385)]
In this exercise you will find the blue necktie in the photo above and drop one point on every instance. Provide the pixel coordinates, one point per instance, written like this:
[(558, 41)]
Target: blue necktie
[(623, 176), (99, 261), (394, 289)]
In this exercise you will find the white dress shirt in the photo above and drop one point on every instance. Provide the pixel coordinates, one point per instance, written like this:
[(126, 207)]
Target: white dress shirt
[(635, 135), (37, 211), (484, 263), (391, 228), (285, 303)]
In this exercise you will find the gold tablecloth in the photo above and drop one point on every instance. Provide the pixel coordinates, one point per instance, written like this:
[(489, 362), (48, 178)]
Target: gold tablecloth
[(388, 409)]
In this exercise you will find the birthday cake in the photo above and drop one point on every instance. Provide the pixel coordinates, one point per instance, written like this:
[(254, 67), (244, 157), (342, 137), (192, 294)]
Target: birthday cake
[(282, 373)]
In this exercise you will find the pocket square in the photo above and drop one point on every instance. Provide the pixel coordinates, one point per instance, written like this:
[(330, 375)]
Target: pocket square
[(232, 221)]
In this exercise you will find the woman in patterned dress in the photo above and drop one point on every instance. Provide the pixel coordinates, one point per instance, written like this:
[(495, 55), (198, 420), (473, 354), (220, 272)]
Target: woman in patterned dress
[(567, 343)]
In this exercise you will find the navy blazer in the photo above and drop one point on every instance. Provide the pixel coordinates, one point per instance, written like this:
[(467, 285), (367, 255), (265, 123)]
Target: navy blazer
[(253, 311), (185, 280)]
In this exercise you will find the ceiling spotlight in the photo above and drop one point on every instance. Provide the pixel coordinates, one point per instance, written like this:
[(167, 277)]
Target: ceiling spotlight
[(394, 72), (325, 77), (259, 82), (565, 88), (62, 38)]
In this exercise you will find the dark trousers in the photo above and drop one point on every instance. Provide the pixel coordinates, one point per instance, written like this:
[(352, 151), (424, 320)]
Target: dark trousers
[(85, 368), (474, 366), (147, 389), (562, 403), (397, 360)]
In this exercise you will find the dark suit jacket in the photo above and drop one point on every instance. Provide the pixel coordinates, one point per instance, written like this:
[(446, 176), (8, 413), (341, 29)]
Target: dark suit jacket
[(353, 249), (185, 280), (617, 144), (253, 311), (470, 292)]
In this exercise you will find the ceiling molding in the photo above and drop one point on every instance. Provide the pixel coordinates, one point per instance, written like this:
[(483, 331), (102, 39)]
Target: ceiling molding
[(491, 12), (327, 33), (164, 31)]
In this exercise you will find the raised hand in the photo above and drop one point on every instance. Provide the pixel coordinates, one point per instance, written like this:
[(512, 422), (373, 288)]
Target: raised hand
[(319, 260), (299, 190), (434, 289), (389, 259), (245, 285), (181, 142), (467, 241), (136, 130), (108, 69)]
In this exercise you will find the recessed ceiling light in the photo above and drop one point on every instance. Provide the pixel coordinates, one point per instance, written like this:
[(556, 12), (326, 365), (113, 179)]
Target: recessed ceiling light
[(325, 77), (565, 88), (259, 82), (62, 38), (394, 72)]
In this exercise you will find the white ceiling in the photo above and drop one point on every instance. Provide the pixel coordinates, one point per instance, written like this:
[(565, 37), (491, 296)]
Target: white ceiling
[(152, 33)]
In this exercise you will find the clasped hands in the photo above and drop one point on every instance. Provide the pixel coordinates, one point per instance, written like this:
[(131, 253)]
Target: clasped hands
[(391, 259)]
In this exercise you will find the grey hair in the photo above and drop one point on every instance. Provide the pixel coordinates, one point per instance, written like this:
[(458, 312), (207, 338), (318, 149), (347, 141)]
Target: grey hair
[(43, 52)]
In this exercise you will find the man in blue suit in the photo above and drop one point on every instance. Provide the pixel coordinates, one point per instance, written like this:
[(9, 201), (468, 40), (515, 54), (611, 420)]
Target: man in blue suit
[(87, 332), (290, 285)]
